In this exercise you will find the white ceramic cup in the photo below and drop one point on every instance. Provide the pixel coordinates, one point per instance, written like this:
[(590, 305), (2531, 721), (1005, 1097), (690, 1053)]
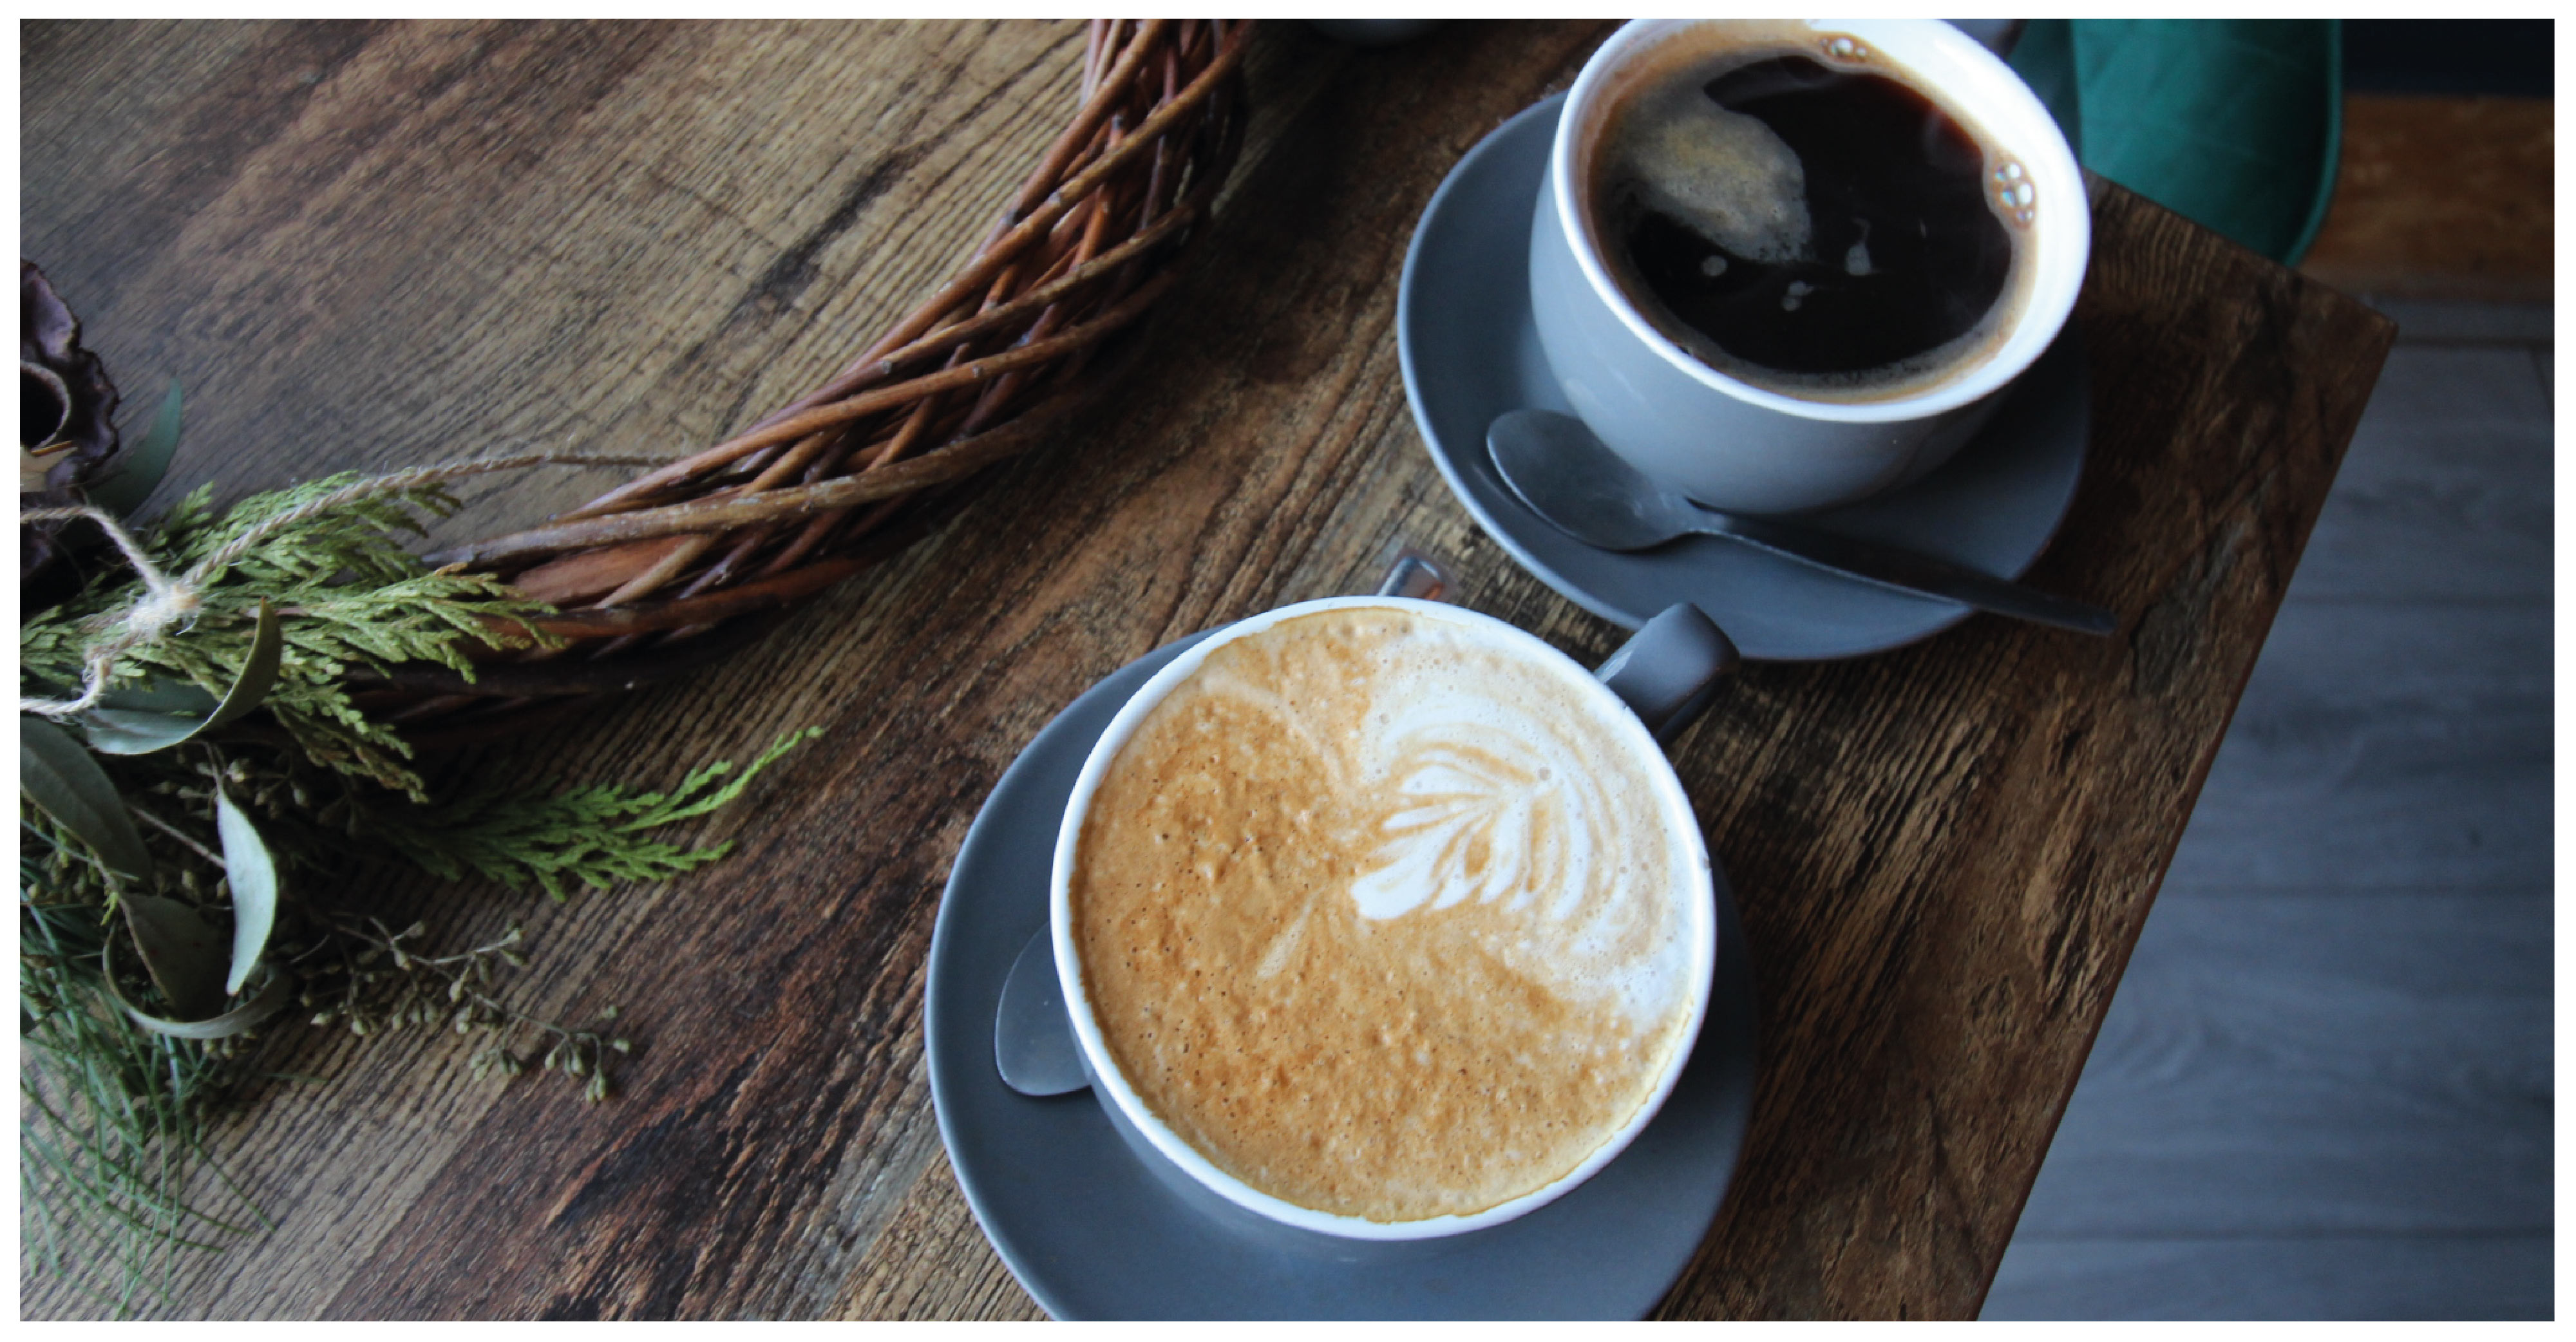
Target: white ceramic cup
[(1745, 448), (1663, 672)]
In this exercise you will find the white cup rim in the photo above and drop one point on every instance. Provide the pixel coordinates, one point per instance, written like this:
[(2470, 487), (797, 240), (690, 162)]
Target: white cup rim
[(2014, 115), (1105, 1075)]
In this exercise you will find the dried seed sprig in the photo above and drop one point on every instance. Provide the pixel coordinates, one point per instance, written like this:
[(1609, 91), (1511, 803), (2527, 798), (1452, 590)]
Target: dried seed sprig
[(386, 983)]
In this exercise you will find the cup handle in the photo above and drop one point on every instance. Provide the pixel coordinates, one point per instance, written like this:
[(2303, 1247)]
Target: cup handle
[(1668, 671)]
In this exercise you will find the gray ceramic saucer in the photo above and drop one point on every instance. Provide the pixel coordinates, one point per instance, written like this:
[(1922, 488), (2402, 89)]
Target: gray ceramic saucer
[(1093, 1235), (1470, 353)]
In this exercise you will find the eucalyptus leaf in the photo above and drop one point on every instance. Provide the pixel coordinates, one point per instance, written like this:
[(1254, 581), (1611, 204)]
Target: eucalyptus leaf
[(60, 777), (160, 715), (236, 1021), (259, 674), (125, 731), (177, 697), (141, 465), (252, 874), (180, 951)]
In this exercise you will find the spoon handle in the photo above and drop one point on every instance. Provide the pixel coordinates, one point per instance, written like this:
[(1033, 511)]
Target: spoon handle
[(1907, 571)]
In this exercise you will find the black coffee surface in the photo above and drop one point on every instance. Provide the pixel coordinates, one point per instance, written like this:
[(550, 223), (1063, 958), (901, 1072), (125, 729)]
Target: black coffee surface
[(1906, 253)]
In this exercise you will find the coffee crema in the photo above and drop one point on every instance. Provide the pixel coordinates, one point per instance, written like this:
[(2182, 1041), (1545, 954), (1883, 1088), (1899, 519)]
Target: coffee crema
[(1383, 919), (1805, 218)]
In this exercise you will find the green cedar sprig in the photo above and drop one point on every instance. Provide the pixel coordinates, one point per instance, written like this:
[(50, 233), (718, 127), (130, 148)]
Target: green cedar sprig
[(349, 595), (594, 836)]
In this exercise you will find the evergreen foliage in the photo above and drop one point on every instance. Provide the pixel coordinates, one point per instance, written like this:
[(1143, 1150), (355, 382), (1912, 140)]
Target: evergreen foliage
[(350, 595), (117, 1087)]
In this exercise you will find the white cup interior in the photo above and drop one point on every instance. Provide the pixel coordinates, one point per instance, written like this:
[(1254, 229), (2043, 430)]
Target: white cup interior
[(1971, 83), (1113, 1086)]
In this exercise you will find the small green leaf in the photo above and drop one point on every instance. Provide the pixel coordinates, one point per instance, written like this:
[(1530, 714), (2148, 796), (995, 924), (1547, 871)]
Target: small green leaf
[(259, 674), (61, 778), (180, 951), (236, 1021), (159, 696), (125, 731), (159, 715), (141, 466), (253, 876)]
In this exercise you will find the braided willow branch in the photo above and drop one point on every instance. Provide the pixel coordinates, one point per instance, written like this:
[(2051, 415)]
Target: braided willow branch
[(829, 484)]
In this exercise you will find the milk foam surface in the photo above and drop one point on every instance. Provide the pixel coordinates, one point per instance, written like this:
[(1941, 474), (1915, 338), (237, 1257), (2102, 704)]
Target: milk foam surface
[(1385, 920)]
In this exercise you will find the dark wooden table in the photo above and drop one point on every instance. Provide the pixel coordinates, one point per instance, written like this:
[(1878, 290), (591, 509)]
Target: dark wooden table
[(370, 245)]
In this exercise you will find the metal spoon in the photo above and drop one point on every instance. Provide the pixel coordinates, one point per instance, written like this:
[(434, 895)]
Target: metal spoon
[(1582, 488), (1033, 1044)]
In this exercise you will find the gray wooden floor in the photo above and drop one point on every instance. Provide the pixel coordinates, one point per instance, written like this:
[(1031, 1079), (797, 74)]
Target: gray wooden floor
[(2325, 1087)]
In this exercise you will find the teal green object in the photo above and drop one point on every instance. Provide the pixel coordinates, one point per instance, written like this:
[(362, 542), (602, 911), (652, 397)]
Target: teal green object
[(2235, 124)]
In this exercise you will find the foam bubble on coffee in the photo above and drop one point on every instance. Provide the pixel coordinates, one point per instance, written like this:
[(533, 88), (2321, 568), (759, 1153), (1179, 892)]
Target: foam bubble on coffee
[(1726, 175), (1385, 919)]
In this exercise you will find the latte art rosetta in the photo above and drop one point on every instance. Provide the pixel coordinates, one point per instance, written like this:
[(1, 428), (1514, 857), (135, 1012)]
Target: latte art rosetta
[(1385, 920), (1486, 818), (1513, 811)]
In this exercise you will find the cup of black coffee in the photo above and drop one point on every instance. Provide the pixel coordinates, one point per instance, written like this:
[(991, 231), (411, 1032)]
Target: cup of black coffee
[(1782, 264)]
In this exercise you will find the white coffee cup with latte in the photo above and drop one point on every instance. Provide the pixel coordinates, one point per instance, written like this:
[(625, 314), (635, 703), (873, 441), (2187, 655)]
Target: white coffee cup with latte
[(1382, 919)]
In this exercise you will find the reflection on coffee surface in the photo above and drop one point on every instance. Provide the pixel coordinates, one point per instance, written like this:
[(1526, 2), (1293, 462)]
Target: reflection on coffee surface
[(1384, 919), (1806, 224)]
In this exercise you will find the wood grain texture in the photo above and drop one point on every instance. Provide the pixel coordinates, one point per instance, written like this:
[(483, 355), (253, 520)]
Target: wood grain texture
[(933, 1226), (1943, 853), (2442, 197)]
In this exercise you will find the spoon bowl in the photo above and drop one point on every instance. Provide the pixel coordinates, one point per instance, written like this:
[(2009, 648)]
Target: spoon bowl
[(1579, 486)]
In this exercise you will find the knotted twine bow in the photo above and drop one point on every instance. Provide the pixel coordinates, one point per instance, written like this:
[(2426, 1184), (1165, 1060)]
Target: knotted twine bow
[(166, 601)]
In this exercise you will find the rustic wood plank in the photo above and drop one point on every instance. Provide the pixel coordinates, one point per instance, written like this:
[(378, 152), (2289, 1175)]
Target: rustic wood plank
[(2442, 197), (2343, 1277), (934, 1229), (606, 237), (1943, 854), (1000, 113), (496, 174)]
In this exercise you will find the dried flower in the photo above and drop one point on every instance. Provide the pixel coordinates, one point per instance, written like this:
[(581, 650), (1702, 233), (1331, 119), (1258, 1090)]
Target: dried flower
[(66, 417)]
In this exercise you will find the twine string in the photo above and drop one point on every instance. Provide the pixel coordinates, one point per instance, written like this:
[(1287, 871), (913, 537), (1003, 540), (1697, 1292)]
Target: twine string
[(167, 601)]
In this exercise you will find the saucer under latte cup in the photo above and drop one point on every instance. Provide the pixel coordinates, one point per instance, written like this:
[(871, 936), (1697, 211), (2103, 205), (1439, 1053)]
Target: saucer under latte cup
[(1719, 437)]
